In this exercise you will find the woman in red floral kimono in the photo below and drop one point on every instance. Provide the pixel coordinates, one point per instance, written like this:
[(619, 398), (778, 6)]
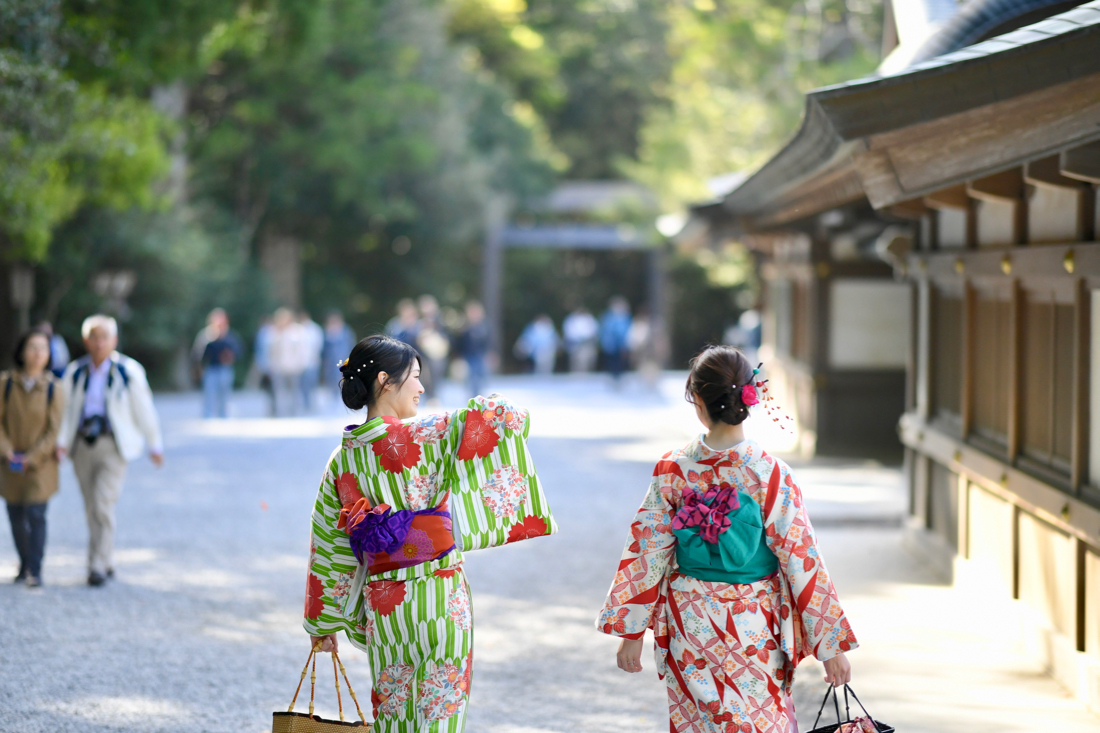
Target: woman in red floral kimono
[(384, 565), (722, 565)]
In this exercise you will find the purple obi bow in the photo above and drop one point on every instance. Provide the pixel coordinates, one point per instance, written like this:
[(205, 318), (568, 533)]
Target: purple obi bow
[(708, 511), (384, 531)]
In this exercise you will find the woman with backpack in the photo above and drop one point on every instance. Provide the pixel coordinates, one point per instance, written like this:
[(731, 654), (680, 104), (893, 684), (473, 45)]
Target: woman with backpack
[(30, 415)]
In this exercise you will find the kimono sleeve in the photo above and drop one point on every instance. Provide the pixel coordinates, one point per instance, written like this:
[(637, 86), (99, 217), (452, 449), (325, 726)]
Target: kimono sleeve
[(332, 564), (821, 626), (496, 495), (639, 591)]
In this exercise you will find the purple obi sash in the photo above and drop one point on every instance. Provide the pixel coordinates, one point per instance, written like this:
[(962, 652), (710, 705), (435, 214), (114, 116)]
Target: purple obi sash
[(384, 539)]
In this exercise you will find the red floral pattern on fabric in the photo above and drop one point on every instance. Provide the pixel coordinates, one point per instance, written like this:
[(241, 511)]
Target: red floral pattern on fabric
[(397, 450), (347, 488), (315, 591), (386, 595), (528, 528), (479, 438)]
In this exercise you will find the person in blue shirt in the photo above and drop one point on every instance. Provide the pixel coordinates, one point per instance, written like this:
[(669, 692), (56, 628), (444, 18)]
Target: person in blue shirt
[(614, 331), (218, 359)]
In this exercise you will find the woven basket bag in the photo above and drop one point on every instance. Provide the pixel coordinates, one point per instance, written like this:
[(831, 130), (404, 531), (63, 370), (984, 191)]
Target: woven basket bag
[(292, 722)]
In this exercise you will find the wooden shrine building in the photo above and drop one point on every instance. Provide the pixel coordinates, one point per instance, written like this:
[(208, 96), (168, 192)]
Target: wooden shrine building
[(928, 243)]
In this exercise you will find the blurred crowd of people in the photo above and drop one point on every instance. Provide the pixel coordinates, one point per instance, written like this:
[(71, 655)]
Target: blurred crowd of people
[(293, 356), (622, 340)]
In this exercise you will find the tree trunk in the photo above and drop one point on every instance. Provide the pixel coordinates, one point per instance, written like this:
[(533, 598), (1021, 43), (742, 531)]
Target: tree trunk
[(281, 259)]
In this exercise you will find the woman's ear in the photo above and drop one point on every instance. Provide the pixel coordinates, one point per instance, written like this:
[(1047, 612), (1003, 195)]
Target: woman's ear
[(382, 379)]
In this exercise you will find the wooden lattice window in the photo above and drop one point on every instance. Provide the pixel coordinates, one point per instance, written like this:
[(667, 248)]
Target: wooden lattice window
[(992, 362), (1046, 384)]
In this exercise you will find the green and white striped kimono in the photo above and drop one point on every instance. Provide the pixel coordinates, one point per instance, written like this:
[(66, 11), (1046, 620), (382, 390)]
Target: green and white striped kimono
[(409, 608)]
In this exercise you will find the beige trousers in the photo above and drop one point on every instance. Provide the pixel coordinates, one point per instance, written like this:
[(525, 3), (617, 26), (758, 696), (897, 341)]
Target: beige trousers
[(100, 470)]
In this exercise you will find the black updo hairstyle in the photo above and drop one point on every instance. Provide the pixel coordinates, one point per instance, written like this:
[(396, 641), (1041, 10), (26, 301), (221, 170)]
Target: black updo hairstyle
[(374, 354), (717, 376), (21, 346)]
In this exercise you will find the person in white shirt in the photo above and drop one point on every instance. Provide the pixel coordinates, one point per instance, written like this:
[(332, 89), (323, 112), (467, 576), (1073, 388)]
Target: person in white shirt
[(288, 357), (109, 419), (314, 344), (581, 331)]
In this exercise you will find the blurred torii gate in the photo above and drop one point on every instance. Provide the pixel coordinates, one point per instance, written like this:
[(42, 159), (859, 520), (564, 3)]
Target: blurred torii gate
[(502, 235)]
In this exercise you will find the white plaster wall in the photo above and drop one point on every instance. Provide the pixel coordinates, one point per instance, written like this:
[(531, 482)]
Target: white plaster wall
[(868, 324), (951, 228), (1052, 215)]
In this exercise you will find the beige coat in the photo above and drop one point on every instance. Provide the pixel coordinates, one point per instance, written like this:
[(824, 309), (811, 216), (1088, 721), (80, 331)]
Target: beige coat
[(29, 425)]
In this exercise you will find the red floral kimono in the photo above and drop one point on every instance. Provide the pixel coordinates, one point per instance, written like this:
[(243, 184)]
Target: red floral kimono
[(727, 652)]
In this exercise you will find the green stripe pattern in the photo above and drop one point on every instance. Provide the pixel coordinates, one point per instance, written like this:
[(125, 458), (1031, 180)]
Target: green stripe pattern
[(416, 623)]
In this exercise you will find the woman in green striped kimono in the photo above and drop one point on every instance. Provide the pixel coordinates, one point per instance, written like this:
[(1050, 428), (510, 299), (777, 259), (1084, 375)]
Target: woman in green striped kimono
[(384, 564)]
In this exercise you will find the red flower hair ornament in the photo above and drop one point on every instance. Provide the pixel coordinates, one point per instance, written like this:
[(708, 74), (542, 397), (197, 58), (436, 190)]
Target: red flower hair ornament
[(748, 395)]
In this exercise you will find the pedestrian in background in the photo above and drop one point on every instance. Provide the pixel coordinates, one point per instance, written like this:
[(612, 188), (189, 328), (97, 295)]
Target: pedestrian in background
[(30, 416), (614, 335), (580, 331), (539, 342), (59, 350), (261, 361), (109, 416), (433, 345), (314, 337), (213, 328), (219, 357), (405, 326), (475, 345), (288, 360), (338, 342)]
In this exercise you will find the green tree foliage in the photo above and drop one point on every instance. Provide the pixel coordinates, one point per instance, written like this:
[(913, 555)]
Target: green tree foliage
[(361, 131), (63, 144), (740, 70)]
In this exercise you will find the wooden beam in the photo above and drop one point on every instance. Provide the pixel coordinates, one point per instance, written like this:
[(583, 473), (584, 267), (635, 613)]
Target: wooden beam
[(912, 209), (954, 197), (967, 145), (1082, 163), (1048, 172), (1005, 187)]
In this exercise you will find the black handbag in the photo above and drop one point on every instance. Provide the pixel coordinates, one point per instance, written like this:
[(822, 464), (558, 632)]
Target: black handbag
[(833, 727)]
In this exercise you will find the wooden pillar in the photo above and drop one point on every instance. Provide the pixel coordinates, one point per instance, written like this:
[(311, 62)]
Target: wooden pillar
[(966, 399), (1015, 368), (1082, 309)]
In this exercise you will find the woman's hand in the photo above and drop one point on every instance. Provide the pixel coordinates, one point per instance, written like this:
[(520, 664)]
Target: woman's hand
[(837, 670), (630, 655), (327, 643)]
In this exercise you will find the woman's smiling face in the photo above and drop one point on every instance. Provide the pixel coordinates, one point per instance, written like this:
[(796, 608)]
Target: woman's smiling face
[(403, 399)]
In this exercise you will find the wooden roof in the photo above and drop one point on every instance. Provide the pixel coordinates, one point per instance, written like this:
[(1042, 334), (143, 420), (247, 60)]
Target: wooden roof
[(963, 115)]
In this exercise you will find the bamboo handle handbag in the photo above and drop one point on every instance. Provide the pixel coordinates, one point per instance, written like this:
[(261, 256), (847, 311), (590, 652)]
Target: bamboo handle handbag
[(292, 722)]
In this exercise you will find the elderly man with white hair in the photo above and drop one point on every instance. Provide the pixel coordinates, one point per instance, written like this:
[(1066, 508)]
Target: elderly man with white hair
[(109, 419)]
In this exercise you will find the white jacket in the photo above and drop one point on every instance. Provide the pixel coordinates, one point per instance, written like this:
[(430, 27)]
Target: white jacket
[(129, 403)]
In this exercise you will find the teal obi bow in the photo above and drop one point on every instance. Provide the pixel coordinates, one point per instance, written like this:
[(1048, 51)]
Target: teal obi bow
[(741, 554)]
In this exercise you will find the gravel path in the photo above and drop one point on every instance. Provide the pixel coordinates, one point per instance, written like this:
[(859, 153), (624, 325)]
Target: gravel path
[(201, 630)]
